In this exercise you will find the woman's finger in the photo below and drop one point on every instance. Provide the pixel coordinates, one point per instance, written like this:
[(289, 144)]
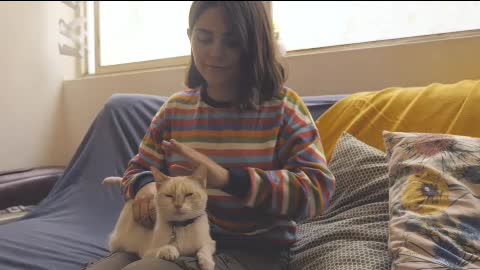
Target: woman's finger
[(181, 149), (166, 147), (169, 146), (178, 170), (152, 211), (145, 213), (136, 210)]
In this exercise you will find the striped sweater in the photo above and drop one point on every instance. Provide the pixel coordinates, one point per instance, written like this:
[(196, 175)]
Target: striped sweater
[(277, 169)]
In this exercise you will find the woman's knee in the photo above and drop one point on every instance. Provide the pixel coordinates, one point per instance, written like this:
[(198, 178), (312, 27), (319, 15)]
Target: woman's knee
[(115, 261), (152, 264)]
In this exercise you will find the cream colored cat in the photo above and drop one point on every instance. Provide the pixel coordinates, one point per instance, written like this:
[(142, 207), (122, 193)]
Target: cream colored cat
[(181, 226)]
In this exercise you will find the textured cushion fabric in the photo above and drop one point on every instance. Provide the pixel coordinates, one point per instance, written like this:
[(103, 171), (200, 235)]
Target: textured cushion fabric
[(434, 201), (437, 108), (353, 232)]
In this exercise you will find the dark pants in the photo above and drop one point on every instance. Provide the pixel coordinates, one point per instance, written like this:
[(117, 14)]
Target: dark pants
[(225, 259)]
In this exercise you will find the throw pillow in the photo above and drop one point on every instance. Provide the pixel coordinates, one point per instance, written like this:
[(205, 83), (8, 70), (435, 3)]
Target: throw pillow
[(353, 232), (434, 200)]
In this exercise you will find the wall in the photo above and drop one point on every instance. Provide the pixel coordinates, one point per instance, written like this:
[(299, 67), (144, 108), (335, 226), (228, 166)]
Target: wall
[(31, 75), (339, 72)]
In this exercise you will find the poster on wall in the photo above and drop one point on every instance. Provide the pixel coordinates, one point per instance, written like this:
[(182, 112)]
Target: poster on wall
[(75, 32)]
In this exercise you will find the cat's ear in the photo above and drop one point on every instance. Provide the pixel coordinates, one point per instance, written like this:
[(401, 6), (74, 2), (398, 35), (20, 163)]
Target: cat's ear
[(201, 174), (160, 178)]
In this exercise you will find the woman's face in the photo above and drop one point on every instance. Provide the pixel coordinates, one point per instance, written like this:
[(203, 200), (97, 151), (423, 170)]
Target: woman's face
[(216, 51)]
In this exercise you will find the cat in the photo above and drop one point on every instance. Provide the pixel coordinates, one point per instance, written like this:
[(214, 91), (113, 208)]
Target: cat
[(181, 226)]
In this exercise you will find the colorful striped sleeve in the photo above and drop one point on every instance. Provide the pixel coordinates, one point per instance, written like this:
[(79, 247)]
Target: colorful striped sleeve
[(303, 188), (149, 154)]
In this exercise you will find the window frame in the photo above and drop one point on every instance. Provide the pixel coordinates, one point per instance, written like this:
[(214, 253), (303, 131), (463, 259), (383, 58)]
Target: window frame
[(182, 61)]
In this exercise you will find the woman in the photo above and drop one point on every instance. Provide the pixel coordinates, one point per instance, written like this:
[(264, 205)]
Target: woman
[(256, 137)]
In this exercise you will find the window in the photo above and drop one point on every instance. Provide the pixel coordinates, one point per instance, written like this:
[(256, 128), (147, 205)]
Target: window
[(135, 32), (135, 35), (306, 25)]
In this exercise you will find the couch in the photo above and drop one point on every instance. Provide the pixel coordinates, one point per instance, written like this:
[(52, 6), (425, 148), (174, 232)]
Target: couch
[(69, 228)]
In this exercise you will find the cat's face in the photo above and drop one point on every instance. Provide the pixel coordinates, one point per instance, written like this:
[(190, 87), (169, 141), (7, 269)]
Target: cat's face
[(182, 197)]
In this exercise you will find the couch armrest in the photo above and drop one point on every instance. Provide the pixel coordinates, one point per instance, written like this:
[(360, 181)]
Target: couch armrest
[(27, 186)]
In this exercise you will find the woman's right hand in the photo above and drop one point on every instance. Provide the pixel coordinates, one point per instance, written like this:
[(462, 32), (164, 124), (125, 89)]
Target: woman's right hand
[(144, 207)]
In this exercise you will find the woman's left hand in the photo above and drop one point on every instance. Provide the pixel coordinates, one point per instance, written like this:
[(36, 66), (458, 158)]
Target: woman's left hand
[(217, 176)]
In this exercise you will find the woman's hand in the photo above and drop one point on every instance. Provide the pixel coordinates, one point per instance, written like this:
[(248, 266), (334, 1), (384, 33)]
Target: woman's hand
[(217, 176), (143, 206)]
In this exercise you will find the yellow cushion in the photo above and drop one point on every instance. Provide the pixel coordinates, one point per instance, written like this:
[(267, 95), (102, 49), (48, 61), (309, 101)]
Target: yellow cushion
[(437, 108)]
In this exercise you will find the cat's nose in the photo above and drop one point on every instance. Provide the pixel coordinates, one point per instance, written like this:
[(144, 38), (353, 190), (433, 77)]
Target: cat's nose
[(178, 206)]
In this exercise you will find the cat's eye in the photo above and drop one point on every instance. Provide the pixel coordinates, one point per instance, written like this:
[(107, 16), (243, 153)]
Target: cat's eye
[(168, 195), (188, 194)]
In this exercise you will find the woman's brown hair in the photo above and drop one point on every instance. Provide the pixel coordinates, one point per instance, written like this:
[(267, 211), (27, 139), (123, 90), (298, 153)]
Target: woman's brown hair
[(263, 75)]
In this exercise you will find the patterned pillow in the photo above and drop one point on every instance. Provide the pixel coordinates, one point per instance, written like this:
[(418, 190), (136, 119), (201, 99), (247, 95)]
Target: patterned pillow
[(434, 200), (353, 232)]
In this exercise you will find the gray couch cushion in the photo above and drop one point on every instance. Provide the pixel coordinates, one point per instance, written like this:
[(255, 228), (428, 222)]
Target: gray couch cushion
[(353, 232)]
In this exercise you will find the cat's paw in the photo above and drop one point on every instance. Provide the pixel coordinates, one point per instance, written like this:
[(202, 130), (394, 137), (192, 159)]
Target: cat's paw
[(205, 262), (169, 253)]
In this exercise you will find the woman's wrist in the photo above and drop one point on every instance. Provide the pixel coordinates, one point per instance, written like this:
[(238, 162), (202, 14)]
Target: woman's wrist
[(220, 177)]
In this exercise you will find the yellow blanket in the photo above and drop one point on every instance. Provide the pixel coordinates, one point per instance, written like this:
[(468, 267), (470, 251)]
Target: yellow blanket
[(437, 108)]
